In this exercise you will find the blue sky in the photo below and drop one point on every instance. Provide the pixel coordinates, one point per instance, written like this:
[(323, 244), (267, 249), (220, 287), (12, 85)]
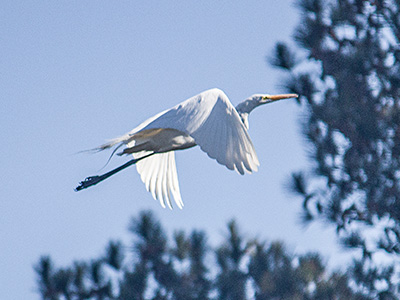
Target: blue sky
[(76, 73)]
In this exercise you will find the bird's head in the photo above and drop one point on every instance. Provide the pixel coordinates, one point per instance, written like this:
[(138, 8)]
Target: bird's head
[(249, 104)]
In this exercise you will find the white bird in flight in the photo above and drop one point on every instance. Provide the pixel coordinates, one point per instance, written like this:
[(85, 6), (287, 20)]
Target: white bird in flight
[(209, 120)]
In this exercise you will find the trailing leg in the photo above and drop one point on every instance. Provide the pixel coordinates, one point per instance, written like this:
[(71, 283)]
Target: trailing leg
[(93, 180)]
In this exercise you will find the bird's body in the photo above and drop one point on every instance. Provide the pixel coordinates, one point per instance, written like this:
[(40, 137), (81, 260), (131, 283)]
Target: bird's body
[(208, 120)]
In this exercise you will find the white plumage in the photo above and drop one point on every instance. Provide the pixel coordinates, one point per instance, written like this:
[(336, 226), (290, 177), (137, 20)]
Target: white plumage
[(158, 173), (208, 120)]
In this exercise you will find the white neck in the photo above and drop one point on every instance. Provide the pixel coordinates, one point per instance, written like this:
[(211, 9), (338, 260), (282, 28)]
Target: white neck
[(244, 109)]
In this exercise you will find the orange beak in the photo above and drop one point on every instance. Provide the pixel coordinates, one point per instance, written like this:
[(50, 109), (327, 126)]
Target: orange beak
[(280, 97)]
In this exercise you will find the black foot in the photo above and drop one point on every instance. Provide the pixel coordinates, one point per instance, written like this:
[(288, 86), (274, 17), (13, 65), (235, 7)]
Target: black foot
[(89, 181)]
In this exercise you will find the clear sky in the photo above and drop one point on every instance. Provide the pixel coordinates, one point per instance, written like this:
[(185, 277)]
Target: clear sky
[(76, 73)]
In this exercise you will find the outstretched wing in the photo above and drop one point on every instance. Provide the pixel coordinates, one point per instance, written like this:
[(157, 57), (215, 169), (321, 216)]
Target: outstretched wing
[(216, 127), (158, 173)]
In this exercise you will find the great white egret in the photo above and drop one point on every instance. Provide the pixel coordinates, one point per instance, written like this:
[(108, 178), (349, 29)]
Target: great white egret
[(209, 120)]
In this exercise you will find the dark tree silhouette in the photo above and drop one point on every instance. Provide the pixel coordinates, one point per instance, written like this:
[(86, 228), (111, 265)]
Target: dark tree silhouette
[(348, 76), (185, 267)]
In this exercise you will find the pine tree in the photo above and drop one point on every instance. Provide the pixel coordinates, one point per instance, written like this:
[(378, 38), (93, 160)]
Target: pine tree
[(231, 281), (348, 76), (187, 268)]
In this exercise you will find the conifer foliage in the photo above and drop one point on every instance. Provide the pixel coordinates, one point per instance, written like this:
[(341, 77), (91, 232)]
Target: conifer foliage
[(185, 267), (347, 71)]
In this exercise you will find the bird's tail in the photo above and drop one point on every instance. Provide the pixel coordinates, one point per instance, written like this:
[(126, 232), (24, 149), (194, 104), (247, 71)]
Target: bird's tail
[(126, 138), (135, 142), (118, 142)]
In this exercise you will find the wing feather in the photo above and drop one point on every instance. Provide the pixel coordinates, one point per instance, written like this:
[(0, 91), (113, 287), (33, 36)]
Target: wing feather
[(158, 173), (158, 182), (173, 178)]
